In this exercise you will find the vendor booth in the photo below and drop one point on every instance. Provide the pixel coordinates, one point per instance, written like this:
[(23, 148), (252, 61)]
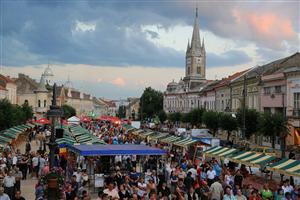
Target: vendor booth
[(74, 120)]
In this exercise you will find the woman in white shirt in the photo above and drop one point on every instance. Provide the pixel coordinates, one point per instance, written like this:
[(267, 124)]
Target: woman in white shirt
[(142, 187)]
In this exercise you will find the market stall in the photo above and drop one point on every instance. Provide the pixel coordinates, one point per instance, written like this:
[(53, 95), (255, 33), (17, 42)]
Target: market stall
[(287, 167), (220, 152), (252, 159)]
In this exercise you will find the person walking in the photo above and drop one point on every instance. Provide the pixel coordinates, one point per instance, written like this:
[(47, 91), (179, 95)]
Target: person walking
[(18, 177), (9, 182)]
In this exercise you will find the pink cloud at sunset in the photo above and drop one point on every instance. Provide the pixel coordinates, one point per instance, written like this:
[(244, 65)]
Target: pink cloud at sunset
[(119, 81), (267, 25)]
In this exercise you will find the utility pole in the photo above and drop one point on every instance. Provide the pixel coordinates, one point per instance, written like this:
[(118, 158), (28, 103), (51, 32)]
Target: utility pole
[(244, 107)]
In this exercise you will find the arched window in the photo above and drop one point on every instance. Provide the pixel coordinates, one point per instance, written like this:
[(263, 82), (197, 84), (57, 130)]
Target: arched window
[(26, 101), (45, 103), (39, 103)]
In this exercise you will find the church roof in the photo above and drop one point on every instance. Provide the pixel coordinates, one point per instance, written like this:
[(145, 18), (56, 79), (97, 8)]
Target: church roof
[(42, 85), (196, 42), (48, 71)]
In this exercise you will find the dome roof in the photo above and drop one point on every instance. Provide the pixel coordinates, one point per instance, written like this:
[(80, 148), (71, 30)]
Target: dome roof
[(48, 71), (173, 83), (181, 82)]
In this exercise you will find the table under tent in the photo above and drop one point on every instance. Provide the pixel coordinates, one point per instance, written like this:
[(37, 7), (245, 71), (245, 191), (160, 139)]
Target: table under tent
[(105, 153), (265, 163)]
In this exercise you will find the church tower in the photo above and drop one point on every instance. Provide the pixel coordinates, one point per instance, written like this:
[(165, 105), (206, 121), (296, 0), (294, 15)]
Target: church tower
[(195, 57)]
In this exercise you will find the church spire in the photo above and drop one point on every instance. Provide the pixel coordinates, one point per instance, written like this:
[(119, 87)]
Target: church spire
[(188, 46), (196, 42)]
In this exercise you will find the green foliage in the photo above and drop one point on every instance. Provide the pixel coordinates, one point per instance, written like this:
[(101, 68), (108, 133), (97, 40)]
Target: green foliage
[(162, 116), (273, 125), (174, 117), (252, 117), (68, 111), (12, 115), (122, 111), (195, 116), (211, 120), (151, 102), (27, 110), (227, 122)]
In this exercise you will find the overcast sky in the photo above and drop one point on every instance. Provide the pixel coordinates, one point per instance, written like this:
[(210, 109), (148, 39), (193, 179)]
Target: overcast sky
[(115, 49)]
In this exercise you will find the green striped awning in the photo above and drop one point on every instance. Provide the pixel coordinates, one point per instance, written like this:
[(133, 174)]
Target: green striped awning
[(185, 142), (170, 139), (137, 132), (157, 136), (219, 151), (286, 166), (146, 134), (250, 158), (5, 139), (9, 135)]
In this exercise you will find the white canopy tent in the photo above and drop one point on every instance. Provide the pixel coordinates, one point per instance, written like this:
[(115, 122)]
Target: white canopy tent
[(74, 120)]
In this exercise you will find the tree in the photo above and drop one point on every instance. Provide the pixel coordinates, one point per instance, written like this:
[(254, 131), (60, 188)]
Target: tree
[(251, 121), (162, 116), (122, 111), (228, 122), (68, 111), (174, 117), (6, 114), (12, 115), (151, 102), (195, 117), (211, 120), (27, 110), (274, 126)]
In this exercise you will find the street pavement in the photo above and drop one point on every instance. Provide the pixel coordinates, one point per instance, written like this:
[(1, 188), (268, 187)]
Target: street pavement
[(28, 186)]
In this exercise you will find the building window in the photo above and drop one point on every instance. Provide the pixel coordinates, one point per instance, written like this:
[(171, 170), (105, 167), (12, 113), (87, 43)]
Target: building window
[(188, 70), (297, 101), (45, 103), (198, 70), (267, 90), (26, 101), (277, 89), (39, 103)]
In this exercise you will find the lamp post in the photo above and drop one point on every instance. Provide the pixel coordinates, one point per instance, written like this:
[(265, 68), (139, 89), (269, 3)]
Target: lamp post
[(53, 113)]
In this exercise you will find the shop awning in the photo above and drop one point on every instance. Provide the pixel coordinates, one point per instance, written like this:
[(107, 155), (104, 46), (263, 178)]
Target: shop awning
[(170, 139), (250, 158), (287, 167), (137, 132), (219, 151), (157, 136), (112, 150), (185, 142), (146, 134), (5, 139)]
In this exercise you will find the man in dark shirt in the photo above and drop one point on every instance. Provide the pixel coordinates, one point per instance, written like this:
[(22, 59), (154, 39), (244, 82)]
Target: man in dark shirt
[(74, 186), (189, 181), (18, 196)]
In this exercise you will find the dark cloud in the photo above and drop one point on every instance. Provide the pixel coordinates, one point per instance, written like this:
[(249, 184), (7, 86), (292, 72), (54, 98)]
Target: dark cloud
[(35, 31), (229, 58)]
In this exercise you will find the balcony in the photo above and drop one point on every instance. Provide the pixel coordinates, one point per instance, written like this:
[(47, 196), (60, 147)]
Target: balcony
[(296, 113)]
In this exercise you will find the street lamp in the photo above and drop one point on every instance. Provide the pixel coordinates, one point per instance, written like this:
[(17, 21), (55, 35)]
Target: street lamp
[(53, 113)]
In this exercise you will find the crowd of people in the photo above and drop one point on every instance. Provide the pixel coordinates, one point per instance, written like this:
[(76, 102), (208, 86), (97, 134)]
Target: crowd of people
[(175, 176)]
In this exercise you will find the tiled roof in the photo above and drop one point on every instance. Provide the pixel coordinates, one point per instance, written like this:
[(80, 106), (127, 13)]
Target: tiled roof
[(3, 88), (7, 79)]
